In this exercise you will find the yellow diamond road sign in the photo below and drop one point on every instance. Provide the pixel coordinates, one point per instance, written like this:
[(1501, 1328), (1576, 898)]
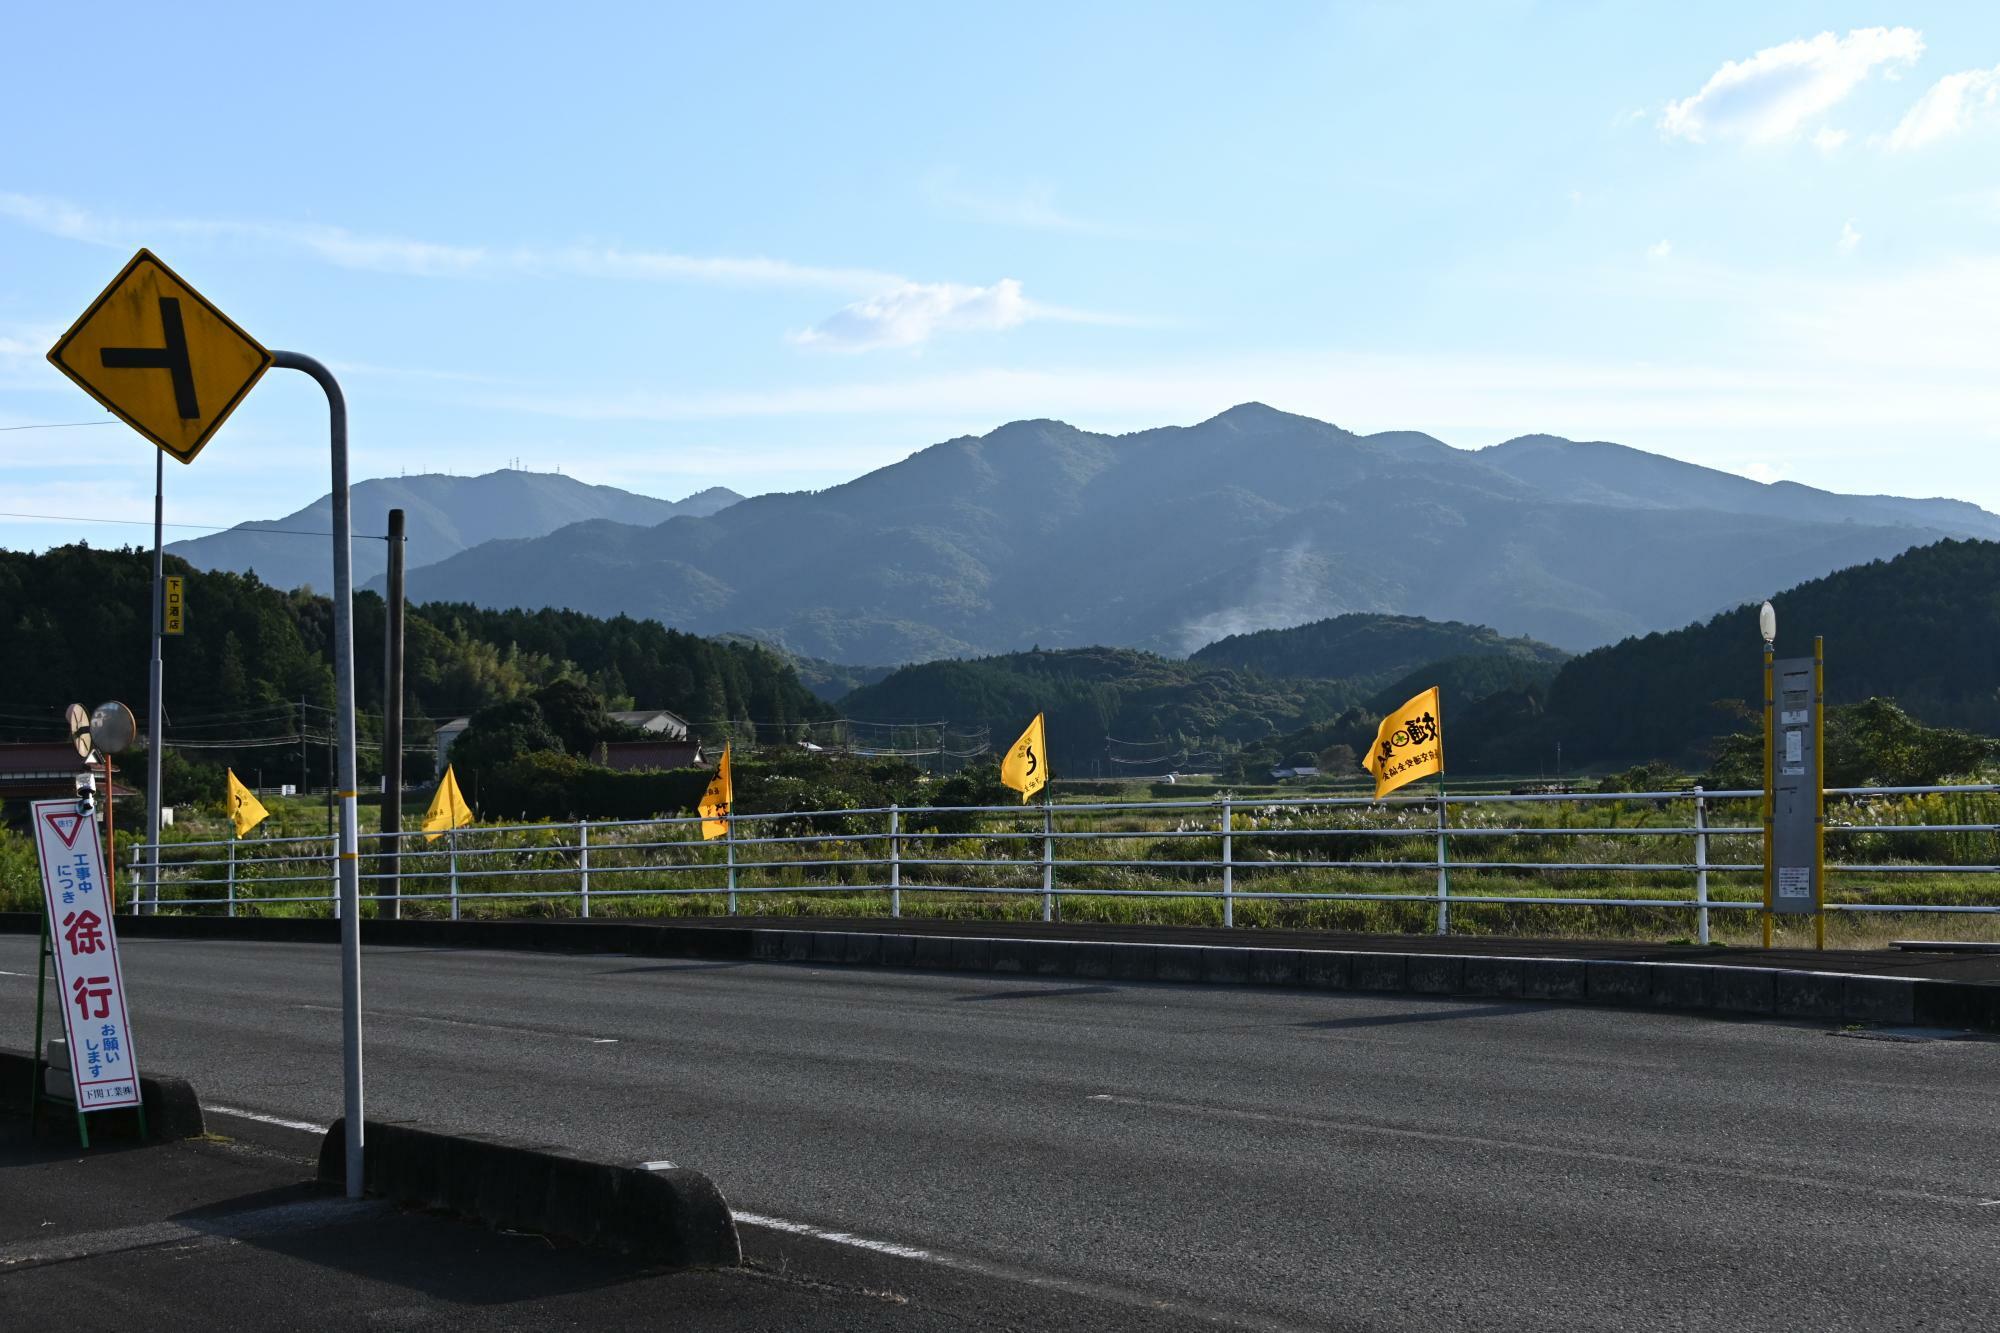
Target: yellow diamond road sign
[(154, 351)]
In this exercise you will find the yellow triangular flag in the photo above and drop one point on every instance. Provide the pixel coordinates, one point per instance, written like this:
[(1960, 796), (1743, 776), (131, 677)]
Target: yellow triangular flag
[(1026, 767), (245, 810), (1408, 745), (717, 800), (448, 808)]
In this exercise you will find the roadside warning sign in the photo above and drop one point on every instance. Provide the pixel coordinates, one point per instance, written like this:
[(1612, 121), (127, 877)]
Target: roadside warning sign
[(83, 939), (161, 356)]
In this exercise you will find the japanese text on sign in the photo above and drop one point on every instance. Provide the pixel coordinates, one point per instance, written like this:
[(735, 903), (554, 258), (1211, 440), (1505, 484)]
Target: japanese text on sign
[(84, 942)]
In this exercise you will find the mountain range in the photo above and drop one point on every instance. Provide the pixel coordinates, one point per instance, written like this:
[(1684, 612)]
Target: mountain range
[(1042, 534), (443, 515)]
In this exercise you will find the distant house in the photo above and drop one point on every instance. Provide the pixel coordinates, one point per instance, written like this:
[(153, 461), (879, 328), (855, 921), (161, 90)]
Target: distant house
[(1302, 771), (43, 770), (659, 721), (446, 733), (631, 756)]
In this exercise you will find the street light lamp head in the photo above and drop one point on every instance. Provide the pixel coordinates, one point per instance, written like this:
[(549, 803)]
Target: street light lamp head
[(1767, 624)]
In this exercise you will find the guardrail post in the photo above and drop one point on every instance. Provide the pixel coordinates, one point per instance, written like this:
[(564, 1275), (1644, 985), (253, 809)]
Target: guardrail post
[(1048, 862), (1228, 867), (232, 872), (451, 842), (583, 861), (133, 875), (1701, 865), (895, 863), (1444, 875), (729, 850), (333, 877)]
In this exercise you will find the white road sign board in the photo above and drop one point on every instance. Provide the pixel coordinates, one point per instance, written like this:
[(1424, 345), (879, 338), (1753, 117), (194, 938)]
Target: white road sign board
[(84, 940)]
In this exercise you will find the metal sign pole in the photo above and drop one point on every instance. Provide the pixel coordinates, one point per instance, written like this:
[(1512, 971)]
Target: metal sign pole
[(343, 729), (1770, 818), (155, 691)]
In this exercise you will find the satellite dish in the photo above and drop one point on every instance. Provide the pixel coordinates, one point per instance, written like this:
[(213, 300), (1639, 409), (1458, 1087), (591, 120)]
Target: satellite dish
[(113, 727), (1767, 622), (78, 723)]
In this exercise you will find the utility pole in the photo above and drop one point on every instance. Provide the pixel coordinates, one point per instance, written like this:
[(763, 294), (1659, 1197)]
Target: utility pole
[(392, 719), (156, 690)]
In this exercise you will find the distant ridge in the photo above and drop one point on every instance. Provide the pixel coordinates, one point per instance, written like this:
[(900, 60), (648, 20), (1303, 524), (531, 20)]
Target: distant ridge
[(1173, 538), (443, 514)]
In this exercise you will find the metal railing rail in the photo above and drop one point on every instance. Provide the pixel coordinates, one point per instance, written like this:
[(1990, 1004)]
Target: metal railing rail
[(1225, 849)]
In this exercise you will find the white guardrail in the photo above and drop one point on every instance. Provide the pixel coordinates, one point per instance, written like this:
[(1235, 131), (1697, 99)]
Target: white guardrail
[(1226, 849)]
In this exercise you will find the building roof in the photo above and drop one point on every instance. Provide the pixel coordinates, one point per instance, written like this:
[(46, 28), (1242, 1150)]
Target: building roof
[(39, 770)]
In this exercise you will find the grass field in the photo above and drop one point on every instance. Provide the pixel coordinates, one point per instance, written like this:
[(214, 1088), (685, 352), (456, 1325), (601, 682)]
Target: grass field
[(1159, 865)]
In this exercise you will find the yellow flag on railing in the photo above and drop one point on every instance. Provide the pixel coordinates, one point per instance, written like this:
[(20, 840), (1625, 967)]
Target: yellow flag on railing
[(1026, 767), (245, 810), (717, 800), (1408, 745), (448, 808)]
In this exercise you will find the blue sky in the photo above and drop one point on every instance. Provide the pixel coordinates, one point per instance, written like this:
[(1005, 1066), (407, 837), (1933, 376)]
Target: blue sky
[(669, 247)]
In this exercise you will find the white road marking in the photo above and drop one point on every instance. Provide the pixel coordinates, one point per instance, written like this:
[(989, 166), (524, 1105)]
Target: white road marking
[(263, 1119), (1991, 1203), (662, 1165), (837, 1237), (1028, 1277), (604, 1041), (22, 975)]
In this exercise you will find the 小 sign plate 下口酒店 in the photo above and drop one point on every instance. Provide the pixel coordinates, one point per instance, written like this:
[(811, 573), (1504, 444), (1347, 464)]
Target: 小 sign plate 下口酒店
[(160, 356)]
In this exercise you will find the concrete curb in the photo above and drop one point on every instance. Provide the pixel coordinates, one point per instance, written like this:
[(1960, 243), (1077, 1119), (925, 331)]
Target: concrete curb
[(1702, 988), (1793, 993), (675, 1217), (172, 1109)]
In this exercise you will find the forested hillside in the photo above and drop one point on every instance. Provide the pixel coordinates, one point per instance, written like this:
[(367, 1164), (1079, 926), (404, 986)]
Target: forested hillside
[(74, 627), (1923, 629), (1364, 647), (1094, 696)]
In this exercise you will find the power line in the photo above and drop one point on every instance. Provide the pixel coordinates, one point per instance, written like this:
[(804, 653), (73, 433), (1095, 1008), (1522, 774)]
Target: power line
[(196, 527), (65, 425)]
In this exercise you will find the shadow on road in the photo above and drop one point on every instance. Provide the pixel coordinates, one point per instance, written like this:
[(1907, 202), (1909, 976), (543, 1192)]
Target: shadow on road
[(1052, 992), (1424, 1016), (441, 1257)]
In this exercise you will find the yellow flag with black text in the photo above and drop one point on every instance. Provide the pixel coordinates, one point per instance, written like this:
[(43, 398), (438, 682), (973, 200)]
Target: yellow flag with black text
[(1408, 745), (1026, 767), (245, 810), (717, 800), (448, 808)]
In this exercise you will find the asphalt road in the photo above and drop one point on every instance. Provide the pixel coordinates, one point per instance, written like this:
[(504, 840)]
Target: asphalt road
[(1269, 1158)]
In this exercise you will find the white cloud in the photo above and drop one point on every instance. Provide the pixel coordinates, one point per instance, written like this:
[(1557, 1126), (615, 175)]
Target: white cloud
[(1759, 471), (1659, 249), (1774, 94), (915, 312), (1849, 238), (1948, 107), (416, 258), (1829, 140)]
